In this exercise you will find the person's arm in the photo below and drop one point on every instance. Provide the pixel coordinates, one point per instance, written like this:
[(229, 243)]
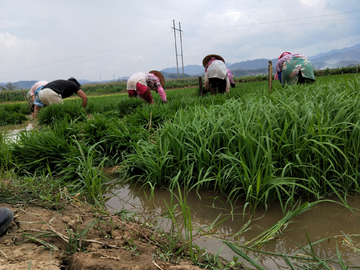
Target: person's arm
[(36, 109), (227, 89), (231, 78), (162, 94), (83, 96)]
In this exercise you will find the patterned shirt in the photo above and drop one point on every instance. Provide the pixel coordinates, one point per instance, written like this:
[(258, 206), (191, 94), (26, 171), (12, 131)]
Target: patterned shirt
[(281, 61), (148, 80), (37, 99)]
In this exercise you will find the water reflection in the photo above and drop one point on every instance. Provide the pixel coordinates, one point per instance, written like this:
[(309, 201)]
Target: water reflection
[(11, 132), (326, 220)]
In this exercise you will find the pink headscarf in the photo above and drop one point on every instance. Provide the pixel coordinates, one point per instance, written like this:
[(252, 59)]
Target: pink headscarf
[(276, 77), (283, 54)]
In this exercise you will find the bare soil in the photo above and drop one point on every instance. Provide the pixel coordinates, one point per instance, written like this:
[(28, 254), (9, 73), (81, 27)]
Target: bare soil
[(38, 238)]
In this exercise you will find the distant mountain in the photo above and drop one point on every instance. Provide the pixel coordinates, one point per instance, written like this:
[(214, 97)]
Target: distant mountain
[(340, 51), (193, 70), (21, 84), (252, 64), (337, 58)]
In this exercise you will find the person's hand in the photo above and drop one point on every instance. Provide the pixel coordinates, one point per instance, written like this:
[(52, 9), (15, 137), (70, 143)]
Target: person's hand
[(232, 85)]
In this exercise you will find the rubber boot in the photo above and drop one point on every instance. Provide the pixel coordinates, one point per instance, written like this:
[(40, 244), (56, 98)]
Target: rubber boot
[(148, 97), (213, 91), (6, 217)]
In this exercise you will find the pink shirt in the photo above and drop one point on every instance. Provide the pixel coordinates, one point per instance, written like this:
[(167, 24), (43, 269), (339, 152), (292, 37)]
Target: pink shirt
[(36, 86), (146, 79), (231, 76)]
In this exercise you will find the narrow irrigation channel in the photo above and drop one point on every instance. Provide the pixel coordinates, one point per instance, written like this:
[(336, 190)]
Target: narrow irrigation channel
[(334, 226)]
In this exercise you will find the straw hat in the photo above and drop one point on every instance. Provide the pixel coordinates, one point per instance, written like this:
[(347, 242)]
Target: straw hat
[(208, 57), (159, 75)]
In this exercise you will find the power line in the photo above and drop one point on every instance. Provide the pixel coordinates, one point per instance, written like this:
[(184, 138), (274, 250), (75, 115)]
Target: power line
[(176, 54)]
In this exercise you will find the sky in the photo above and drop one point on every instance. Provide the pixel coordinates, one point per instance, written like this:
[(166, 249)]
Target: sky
[(100, 40)]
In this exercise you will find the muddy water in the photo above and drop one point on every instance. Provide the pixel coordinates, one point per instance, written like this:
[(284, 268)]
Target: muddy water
[(326, 220), (11, 131)]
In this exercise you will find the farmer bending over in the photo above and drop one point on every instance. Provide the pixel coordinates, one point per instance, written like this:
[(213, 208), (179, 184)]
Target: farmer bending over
[(292, 68), (56, 91), (140, 84)]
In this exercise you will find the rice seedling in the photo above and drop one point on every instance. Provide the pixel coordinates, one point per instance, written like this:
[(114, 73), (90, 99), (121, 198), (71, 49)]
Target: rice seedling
[(262, 149), (88, 175), (294, 142), (304, 258), (13, 114), (68, 111), (181, 223)]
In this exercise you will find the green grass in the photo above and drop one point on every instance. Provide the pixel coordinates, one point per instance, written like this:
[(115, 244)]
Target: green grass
[(298, 141)]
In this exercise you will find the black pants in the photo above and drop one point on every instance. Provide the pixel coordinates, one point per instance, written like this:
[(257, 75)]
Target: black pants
[(218, 84), (303, 80)]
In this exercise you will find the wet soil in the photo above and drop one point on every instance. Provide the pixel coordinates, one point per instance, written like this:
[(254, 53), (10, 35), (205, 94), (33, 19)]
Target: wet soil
[(41, 238)]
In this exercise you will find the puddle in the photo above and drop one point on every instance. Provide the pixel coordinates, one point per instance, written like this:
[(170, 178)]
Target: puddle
[(11, 131), (325, 220)]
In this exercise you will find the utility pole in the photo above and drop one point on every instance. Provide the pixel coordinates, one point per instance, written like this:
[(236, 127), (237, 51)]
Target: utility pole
[(182, 58), (176, 54)]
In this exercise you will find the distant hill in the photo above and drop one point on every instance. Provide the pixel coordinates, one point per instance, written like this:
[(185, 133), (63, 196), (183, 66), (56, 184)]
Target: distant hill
[(337, 58), (345, 57), (252, 64), (21, 84), (192, 70)]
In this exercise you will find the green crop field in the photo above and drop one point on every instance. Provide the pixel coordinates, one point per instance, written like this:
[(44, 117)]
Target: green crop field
[(296, 141), (294, 144)]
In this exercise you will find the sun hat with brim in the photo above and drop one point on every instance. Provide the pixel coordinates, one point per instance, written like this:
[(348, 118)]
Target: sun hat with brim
[(208, 57), (159, 75)]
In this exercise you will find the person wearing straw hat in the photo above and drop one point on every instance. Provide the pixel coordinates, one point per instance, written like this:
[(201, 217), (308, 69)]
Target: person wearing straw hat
[(292, 68), (216, 74), (140, 84)]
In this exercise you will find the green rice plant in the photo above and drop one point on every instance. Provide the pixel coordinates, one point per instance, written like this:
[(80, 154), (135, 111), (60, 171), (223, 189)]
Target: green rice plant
[(36, 151), (11, 95), (104, 88), (181, 221), (281, 225), (296, 141), (6, 162), (12, 114), (299, 260), (88, 175), (75, 239), (68, 111), (264, 147)]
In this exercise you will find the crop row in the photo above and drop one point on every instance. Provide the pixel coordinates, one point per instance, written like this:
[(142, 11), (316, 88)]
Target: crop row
[(120, 86), (297, 141)]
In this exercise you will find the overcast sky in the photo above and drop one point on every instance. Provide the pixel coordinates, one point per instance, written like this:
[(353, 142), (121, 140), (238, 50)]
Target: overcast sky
[(108, 39)]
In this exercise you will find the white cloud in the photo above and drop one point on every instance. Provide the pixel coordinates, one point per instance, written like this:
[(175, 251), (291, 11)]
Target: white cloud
[(60, 38)]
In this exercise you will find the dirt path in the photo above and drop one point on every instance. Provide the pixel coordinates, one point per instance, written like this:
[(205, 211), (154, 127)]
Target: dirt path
[(41, 238)]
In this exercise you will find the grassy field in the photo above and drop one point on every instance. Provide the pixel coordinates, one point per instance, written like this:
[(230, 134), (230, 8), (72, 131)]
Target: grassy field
[(295, 142)]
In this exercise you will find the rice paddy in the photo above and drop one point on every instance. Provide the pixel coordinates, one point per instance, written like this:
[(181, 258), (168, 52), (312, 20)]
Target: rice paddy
[(298, 143)]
